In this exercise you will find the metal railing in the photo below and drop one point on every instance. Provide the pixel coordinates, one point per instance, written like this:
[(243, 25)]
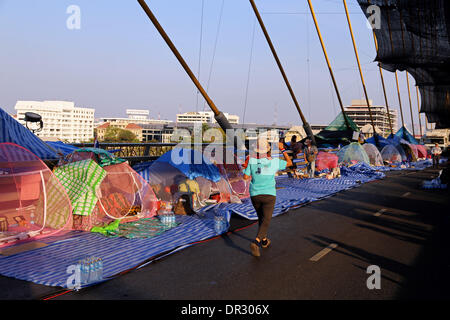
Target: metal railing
[(139, 152)]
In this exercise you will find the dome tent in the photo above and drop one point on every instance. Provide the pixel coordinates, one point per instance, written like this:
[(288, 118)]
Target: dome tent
[(353, 153), (231, 171), (104, 189), (391, 155), (33, 203), (373, 154), (184, 170)]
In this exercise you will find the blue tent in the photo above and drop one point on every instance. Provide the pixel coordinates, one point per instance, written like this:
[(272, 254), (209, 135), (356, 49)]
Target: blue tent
[(189, 162), (404, 134), (62, 147), (12, 131), (381, 141)]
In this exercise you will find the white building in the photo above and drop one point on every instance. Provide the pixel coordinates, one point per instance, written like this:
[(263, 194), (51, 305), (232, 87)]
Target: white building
[(136, 116), (62, 120), (359, 113), (204, 117)]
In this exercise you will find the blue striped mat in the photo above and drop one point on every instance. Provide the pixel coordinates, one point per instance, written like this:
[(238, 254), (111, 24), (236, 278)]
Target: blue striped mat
[(48, 265), (294, 193)]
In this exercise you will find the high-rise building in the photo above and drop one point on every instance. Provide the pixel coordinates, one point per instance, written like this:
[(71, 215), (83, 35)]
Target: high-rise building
[(359, 113), (62, 120), (204, 117)]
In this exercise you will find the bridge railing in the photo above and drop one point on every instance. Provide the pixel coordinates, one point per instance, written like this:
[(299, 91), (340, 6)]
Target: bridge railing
[(139, 152)]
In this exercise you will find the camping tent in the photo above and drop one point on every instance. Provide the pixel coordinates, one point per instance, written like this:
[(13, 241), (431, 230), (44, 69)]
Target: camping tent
[(230, 167), (13, 132), (382, 142), (404, 134), (184, 170), (353, 153), (103, 189), (373, 154), (391, 154), (33, 203), (337, 132), (326, 160)]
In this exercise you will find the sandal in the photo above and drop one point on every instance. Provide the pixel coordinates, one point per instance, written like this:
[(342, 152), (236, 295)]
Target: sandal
[(254, 246), (265, 243)]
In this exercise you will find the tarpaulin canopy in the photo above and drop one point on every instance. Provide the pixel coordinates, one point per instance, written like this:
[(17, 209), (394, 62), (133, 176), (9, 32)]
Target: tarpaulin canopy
[(12, 131), (404, 134), (62, 147), (191, 163), (337, 131), (414, 36)]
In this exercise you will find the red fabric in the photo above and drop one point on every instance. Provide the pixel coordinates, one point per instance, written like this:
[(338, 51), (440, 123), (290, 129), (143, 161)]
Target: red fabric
[(326, 160), (422, 151)]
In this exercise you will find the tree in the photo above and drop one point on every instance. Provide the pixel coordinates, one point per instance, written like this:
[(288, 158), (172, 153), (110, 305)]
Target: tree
[(119, 135)]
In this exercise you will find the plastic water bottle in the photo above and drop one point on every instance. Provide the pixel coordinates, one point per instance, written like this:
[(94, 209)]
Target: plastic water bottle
[(84, 271), (96, 269), (173, 220), (218, 224), (100, 269)]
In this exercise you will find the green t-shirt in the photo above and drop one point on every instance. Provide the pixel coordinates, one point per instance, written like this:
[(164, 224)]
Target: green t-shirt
[(263, 172)]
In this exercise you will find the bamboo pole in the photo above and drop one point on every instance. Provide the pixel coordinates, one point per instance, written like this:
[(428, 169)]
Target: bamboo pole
[(399, 98), (306, 125), (328, 63), (178, 56), (359, 67), (418, 109), (383, 84), (410, 104)]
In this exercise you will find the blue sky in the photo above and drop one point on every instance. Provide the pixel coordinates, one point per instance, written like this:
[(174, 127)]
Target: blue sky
[(117, 60)]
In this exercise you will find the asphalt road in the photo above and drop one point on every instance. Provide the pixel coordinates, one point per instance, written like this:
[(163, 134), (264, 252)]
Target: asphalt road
[(390, 223)]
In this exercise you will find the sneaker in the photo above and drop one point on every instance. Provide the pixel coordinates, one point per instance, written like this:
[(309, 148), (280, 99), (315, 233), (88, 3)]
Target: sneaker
[(254, 246), (265, 243)]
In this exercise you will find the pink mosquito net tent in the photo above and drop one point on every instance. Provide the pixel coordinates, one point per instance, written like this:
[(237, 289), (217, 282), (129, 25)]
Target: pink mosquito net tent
[(232, 171), (33, 203), (103, 191), (374, 154), (391, 155), (326, 160)]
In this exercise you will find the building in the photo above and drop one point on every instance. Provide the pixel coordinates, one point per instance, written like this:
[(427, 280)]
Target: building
[(137, 130), (359, 113), (62, 120), (134, 116), (204, 117)]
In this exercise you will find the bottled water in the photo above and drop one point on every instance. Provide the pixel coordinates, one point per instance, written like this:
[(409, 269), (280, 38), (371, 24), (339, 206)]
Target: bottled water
[(100, 269), (84, 271), (219, 224), (91, 270)]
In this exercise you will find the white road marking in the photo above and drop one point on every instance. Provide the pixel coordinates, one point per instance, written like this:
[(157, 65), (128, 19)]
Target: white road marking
[(324, 252), (380, 212), (407, 194)]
